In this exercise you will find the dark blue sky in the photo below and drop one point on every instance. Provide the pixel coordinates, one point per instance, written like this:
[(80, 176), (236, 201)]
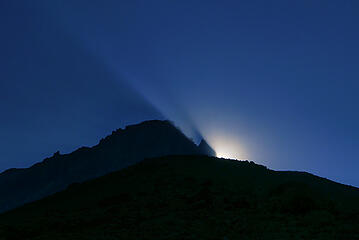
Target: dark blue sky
[(271, 81)]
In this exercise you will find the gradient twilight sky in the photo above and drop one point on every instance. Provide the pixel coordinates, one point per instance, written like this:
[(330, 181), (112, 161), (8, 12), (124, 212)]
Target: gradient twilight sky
[(272, 81)]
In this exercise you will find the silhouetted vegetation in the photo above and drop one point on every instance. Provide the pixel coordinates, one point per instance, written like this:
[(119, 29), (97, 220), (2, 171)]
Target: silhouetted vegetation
[(192, 197)]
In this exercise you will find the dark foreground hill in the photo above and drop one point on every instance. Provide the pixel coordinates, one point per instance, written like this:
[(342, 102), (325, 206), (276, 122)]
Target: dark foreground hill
[(122, 148), (192, 197)]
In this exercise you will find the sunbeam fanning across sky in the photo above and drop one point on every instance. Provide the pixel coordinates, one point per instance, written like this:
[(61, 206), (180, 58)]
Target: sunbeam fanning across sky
[(179, 119), (272, 82)]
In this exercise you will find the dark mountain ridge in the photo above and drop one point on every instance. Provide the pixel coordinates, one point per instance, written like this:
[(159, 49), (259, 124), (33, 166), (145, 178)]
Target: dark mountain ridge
[(122, 148), (192, 197), (205, 148)]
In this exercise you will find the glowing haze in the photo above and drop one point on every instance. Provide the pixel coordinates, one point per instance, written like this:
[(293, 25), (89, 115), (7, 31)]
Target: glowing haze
[(274, 82)]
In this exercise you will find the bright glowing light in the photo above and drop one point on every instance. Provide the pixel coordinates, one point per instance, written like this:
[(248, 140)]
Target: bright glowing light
[(228, 147)]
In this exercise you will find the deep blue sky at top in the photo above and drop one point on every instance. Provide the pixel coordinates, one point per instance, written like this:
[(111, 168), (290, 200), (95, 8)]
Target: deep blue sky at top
[(272, 81)]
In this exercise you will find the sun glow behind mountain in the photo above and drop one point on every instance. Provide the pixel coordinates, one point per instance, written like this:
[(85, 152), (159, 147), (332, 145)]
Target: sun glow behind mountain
[(227, 147)]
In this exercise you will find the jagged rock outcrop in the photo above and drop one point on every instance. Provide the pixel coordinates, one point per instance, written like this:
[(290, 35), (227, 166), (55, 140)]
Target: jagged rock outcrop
[(124, 147), (205, 148)]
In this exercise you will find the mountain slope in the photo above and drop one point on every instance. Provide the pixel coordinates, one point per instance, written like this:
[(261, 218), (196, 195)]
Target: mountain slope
[(192, 197), (206, 148), (121, 149)]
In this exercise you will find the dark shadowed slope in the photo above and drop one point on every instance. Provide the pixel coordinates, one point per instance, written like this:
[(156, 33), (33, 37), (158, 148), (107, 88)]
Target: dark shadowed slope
[(192, 197), (206, 149), (121, 149)]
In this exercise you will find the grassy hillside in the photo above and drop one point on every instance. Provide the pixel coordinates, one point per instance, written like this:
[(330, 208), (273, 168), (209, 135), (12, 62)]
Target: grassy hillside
[(192, 197)]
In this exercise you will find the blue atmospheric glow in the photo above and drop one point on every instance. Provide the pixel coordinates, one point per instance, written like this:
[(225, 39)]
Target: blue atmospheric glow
[(271, 81)]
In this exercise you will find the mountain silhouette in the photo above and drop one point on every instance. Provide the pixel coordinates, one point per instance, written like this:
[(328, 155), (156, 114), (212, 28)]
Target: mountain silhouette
[(192, 197), (122, 148), (206, 148)]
